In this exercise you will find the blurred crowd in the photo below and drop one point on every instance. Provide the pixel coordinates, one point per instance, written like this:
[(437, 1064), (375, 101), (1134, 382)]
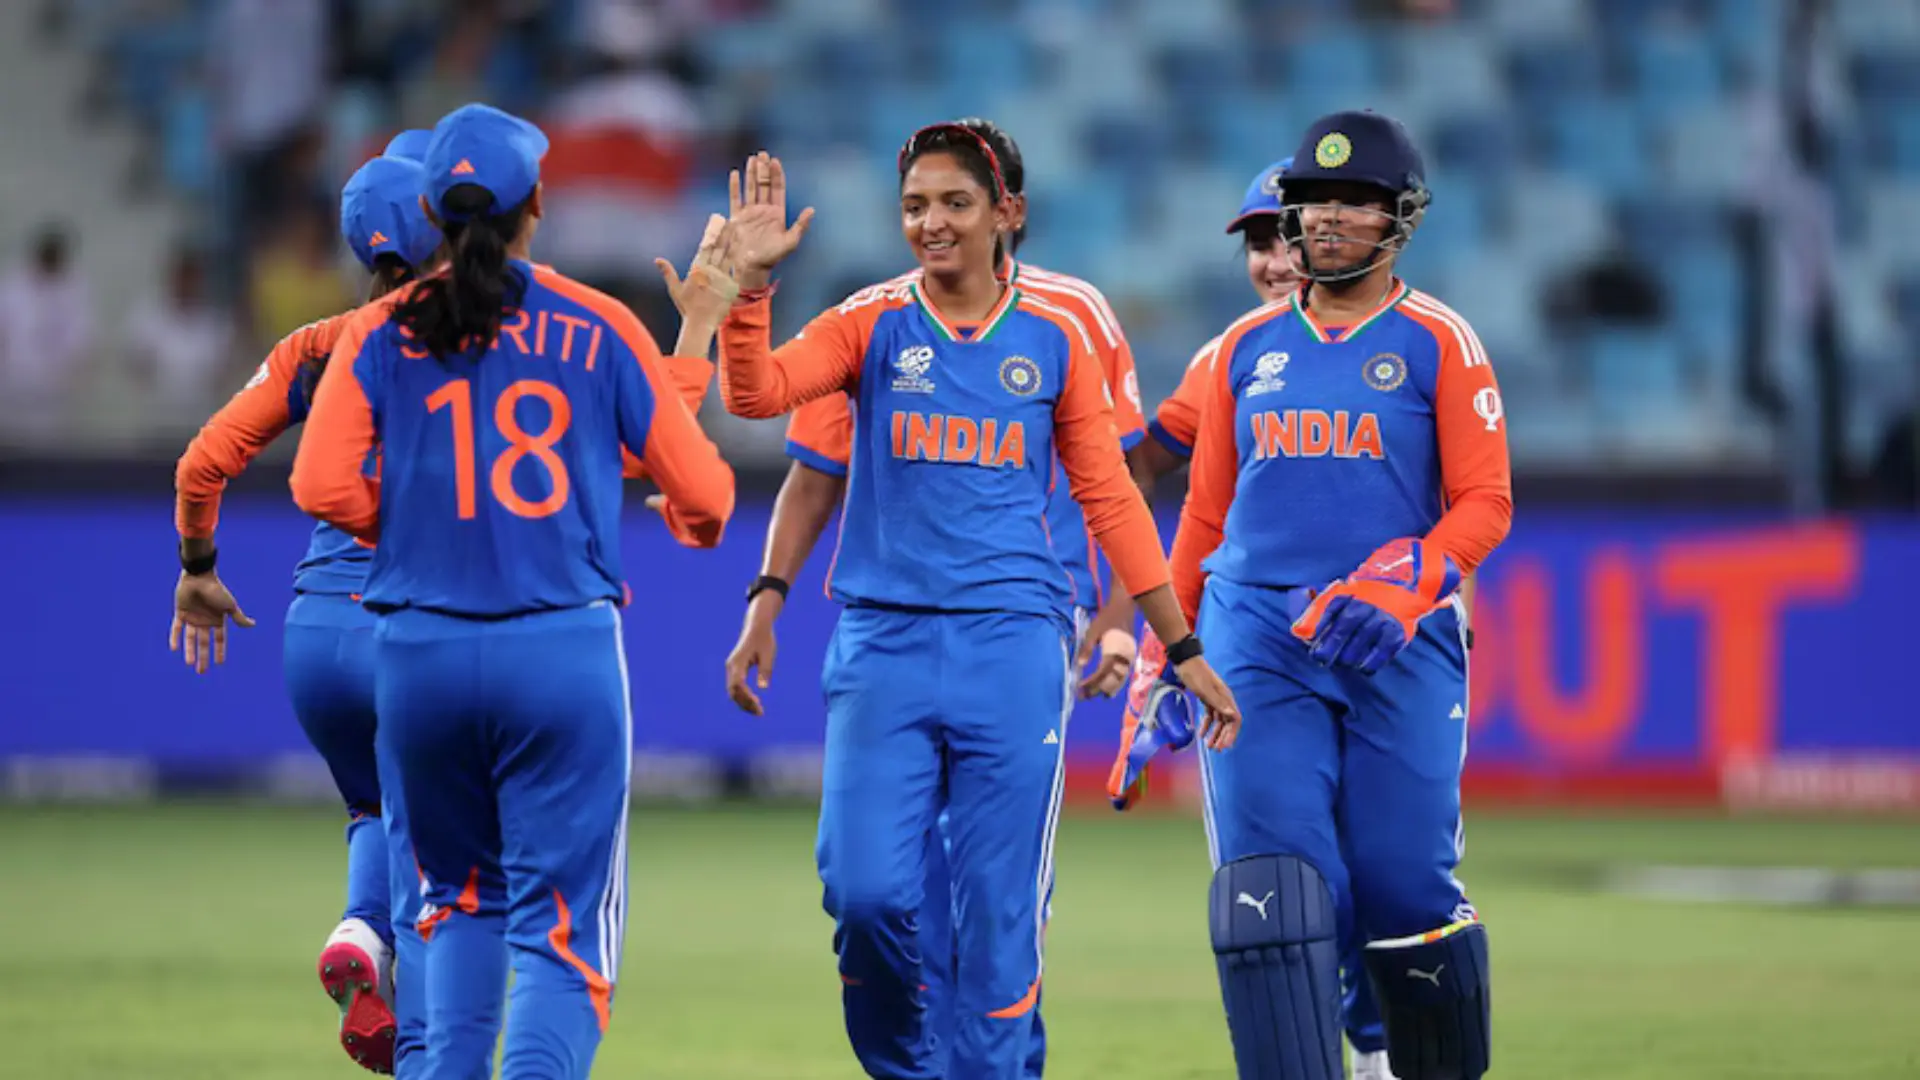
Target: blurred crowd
[(1637, 202)]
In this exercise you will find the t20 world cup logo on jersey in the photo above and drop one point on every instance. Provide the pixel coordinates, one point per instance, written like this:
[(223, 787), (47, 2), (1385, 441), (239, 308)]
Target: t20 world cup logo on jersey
[(910, 370), (1266, 374)]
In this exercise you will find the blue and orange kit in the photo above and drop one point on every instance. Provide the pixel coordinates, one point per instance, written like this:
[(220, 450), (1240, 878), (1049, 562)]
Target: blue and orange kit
[(999, 403), (1392, 427), (274, 399), (820, 433), (528, 449)]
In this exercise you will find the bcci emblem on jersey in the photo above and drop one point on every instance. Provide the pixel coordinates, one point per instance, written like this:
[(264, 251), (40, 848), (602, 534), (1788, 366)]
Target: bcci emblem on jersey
[(1385, 372), (1020, 376), (1266, 374), (910, 370)]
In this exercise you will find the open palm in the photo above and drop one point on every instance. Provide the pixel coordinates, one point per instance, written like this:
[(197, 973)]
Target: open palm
[(757, 215)]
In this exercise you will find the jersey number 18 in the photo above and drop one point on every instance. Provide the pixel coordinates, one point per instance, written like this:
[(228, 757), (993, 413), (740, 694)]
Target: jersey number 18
[(458, 396)]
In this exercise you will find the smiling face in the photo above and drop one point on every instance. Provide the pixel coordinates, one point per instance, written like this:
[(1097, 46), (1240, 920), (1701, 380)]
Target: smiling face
[(948, 215), (1270, 262)]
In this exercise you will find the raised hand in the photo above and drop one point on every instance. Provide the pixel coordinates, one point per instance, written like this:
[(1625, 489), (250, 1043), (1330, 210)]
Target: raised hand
[(757, 213), (708, 288)]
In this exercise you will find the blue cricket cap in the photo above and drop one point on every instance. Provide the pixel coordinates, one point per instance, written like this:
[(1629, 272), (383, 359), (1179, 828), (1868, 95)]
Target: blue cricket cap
[(410, 144), (479, 144), (1263, 195), (1362, 147), (380, 213)]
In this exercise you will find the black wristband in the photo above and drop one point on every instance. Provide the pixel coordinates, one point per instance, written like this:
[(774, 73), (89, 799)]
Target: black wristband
[(764, 583), (201, 565), (1183, 650)]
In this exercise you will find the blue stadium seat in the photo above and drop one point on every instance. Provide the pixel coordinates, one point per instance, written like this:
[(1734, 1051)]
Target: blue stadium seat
[(1600, 140), (1673, 71), (1332, 61), (1906, 304), (1133, 145), (1888, 79), (1871, 26), (1460, 218), (735, 48), (1658, 224), (1455, 64), (1632, 371), (979, 55), (1201, 76), (1248, 133), (1549, 71), (1704, 291), (1487, 144), (1622, 20), (1895, 140)]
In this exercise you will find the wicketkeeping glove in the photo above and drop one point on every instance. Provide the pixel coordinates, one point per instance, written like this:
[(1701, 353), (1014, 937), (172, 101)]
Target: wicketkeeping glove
[(1363, 620), (1160, 714)]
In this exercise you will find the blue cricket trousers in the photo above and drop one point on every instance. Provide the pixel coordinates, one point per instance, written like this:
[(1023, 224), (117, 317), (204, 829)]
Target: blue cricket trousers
[(328, 663), (511, 741), (1358, 775), (969, 711)]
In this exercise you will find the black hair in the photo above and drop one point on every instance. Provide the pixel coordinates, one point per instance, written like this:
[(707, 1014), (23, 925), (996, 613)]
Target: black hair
[(452, 312), (1013, 168), (390, 272), (1262, 227), (970, 150)]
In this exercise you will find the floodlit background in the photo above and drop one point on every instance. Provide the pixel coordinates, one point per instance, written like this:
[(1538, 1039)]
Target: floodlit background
[(1685, 230)]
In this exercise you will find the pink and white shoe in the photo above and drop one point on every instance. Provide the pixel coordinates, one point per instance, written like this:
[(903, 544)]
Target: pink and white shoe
[(356, 970)]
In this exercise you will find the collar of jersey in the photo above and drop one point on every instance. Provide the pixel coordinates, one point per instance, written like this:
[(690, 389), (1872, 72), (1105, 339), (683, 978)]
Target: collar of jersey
[(987, 325), (1394, 296)]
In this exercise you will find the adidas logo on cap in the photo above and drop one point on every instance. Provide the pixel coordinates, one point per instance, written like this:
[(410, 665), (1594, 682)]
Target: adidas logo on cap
[(465, 168)]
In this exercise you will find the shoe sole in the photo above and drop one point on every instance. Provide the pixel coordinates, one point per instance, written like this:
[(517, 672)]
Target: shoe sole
[(366, 1023)]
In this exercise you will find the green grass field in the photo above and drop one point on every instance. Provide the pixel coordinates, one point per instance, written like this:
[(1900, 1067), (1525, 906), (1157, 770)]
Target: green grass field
[(176, 942)]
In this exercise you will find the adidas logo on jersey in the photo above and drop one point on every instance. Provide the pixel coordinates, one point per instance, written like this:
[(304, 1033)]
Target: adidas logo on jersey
[(1459, 712)]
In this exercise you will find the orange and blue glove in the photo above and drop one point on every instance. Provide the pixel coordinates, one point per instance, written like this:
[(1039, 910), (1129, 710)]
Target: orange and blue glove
[(1363, 620), (1160, 715)]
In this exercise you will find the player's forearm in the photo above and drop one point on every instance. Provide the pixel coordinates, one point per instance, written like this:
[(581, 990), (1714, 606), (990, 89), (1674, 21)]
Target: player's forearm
[(1149, 461), (1473, 526), (801, 511), (1193, 541), (1162, 611), (759, 382)]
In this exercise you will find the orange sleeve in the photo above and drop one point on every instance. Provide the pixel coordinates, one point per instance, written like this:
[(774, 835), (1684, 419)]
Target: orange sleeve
[(1210, 484), (820, 434), (758, 381), (243, 427), (690, 375), (327, 480), (1129, 416), (1469, 423), (678, 456), (1088, 443), (1177, 419)]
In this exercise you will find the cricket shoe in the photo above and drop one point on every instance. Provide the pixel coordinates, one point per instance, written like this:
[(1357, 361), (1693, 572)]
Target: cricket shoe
[(1372, 1066), (356, 970)]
